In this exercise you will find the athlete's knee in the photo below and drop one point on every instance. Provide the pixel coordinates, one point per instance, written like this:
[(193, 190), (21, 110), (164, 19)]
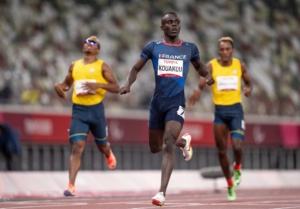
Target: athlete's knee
[(156, 145), (77, 147), (103, 147), (237, 145), (155, 148), (169, 144), (222, 152)]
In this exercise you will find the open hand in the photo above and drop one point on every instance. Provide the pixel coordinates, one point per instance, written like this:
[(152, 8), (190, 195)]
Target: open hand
[(194, 98), (60, 90)]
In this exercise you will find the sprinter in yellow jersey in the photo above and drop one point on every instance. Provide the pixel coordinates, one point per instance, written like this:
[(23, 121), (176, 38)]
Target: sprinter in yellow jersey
[(228, 117), (92, 78)]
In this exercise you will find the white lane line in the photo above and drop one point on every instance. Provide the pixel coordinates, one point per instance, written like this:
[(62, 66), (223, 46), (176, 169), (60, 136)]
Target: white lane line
[(48, 205), (288, 207)]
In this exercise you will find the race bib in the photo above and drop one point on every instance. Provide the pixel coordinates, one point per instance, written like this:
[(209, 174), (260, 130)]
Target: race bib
[(181, 111), (170, 68), (227, 83), (79, 87)]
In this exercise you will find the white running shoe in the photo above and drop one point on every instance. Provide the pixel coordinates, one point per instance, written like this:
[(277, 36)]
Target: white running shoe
[(158, 199), (187, 150)]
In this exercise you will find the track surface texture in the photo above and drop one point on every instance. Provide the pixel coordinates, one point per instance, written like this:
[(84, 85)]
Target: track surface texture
[(246, 199)]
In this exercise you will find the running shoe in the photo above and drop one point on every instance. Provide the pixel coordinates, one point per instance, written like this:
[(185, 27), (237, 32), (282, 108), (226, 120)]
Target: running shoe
[(70, 191), (231, 196), (111, 161), (187, 150), (158, 199), (237, 177)]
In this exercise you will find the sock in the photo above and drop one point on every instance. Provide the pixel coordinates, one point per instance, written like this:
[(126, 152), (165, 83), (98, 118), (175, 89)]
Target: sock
[(237, 166), (71, 185), (229, 182)]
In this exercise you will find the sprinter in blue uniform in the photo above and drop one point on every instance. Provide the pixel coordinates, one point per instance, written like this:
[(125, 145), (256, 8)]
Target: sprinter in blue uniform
[(170, 57)]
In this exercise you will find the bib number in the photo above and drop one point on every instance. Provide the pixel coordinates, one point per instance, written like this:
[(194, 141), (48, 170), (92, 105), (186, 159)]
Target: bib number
[(227, 83), (79, 87)]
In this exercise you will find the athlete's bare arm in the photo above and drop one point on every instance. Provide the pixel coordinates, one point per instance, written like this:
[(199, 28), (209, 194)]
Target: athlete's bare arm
[(247, 81), (112, 85), (203, 71), (132, 76), (197, 92), (66, 84)]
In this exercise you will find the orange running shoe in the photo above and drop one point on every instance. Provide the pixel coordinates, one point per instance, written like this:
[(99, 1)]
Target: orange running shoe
[(111, 161), (70, 191)]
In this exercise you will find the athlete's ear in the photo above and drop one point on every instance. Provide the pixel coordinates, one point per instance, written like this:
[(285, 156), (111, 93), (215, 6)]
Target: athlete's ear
[(162, 27)]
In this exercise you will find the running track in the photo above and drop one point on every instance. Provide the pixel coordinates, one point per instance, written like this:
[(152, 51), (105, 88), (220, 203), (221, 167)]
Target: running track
[(247, 199)]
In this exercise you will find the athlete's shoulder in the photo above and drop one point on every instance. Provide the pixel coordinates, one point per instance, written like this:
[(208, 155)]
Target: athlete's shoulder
[(99, 61), (236, 59), (157, 42), (213, 60), (151, 44), (76, 62), (186, 43)]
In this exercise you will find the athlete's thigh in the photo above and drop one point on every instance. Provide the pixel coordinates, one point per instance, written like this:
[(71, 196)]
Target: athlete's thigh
[(220, 128), (157, 116), (78, 130), (237, 123), (155, 138), (97, 123), (175, 111), (172, 130), (158, 137), (221, 135)]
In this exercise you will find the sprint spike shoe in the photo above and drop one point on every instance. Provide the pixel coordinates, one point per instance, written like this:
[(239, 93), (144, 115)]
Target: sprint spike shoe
[(237, 177), (231, 196), (187, 150), (158, 199)]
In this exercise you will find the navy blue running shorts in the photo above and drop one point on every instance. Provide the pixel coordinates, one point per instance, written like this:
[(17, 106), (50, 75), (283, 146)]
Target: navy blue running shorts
[(233, 117), (88, 118), (164, 109)]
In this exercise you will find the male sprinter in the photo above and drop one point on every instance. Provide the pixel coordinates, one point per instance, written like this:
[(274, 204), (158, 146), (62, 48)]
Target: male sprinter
[(170, 58), (92, 77), (229, 116)]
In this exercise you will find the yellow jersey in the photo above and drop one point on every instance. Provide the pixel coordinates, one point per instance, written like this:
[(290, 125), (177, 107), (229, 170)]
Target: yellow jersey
[(83, 73), (227, 87)]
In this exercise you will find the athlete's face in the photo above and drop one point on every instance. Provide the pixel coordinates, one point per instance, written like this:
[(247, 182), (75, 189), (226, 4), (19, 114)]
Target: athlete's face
[(90, 47), (170, 24), (225, 50)]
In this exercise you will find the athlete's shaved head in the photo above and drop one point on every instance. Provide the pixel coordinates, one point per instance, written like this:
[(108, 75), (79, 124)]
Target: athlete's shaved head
[(166, 15)]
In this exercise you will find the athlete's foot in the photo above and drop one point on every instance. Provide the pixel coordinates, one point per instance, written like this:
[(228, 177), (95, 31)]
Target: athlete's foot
[(111, 161), (158, 199), (187, 150), (237, 177), (70, 191), (231, 196)]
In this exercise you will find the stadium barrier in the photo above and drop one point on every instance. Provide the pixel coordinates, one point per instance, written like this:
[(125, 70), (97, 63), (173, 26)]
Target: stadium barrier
[(269, 143)]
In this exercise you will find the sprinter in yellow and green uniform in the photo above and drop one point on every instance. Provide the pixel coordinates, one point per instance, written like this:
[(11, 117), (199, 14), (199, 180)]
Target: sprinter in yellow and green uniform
[(228, 117), (92, 78)]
